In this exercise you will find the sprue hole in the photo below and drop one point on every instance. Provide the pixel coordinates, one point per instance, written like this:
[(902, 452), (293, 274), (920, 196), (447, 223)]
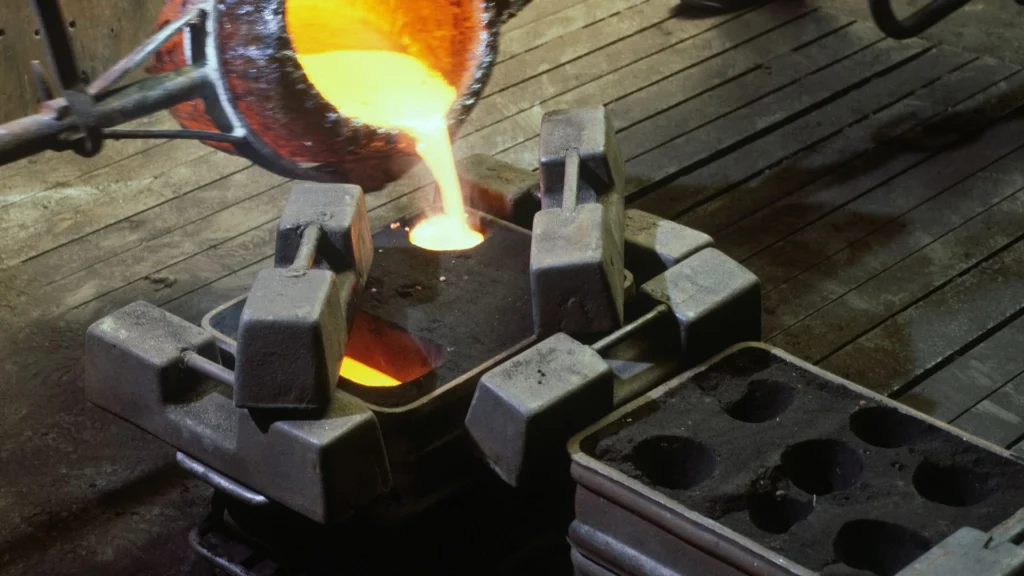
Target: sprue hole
[(952, 485), (821, 467), (764, 400), (887, 427), (776, 513), (673, 462), (882, 548)]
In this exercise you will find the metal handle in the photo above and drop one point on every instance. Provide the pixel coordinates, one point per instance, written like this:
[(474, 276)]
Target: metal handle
[(913, 25)]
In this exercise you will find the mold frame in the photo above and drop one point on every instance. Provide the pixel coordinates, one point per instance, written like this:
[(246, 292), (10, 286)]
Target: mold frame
[(665, 514)]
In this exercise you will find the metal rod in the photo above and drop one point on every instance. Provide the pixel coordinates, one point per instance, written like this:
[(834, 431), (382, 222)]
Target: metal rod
[(141, 54), (209, 368), (627, 331), (571, 190), (30, 135), (220, 481), (307, 247), (131, 134), (151, 95)]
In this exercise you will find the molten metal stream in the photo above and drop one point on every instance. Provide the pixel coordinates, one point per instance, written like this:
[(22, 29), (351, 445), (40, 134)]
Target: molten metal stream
[(391, 89)]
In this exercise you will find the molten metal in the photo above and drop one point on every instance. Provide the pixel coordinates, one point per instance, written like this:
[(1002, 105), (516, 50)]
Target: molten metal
[(355, 371), (366, 76)]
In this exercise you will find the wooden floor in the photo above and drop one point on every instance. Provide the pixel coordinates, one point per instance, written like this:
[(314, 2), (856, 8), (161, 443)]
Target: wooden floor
[(876, 188)]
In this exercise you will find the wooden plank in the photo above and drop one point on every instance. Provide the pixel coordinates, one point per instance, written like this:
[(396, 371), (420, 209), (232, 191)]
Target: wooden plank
[(797, 35), (721, 176), (537, 10), (573, 45), (148, 225), (95, 209), (687, 152), (697, 56), (36, 206), (589, 67), (859, 300), (707, 62), (770, 207), (148, 258), (917, 342), (972, 377), (198, 303), (1018, 448), (1000, 417), (858, 219), (19, 46), (103, 32), (517, 41), (183, 277), (728, 176)]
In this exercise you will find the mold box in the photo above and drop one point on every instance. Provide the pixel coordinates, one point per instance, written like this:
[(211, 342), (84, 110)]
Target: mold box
[(804, 469)]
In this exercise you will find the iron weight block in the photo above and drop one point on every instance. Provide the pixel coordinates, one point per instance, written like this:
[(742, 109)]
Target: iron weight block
[(137, 367), (339, 210), (715, 300), (144, 345), (524, 410), (590, 131), (500, 189), (577, 258), (292, 336), (653, 244)]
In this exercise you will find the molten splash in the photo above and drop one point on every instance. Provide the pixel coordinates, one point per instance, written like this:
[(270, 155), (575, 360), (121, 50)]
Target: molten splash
[(362, 73), (355, 371)]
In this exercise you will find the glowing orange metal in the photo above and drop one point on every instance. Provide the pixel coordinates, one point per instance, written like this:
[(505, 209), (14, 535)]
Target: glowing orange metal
[(355, 371), (366, 75)]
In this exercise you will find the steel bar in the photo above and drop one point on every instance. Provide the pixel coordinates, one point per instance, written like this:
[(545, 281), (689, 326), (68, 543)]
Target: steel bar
[(209, 368), (140, 55)]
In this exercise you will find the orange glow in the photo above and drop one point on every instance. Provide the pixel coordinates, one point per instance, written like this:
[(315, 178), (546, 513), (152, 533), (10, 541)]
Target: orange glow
[(356, 371), (367, 76)]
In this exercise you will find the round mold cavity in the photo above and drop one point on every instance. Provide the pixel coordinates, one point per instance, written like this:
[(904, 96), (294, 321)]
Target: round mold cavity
[(879, 547), (776, 514), (887, 427), (952, 485), (821, 467), (673, 462), (764, 400)]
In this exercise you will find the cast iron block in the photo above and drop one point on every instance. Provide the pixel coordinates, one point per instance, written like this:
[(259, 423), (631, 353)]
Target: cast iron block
[(500, 189), (716, 302), (653, 244), (576, 271), (524, 410), (323, 468), (291, 338), (775, 466), (590, 131), (340, 212), (142, 343)]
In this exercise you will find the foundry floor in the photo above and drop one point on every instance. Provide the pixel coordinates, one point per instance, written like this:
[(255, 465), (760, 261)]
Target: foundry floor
[(876, 187)]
